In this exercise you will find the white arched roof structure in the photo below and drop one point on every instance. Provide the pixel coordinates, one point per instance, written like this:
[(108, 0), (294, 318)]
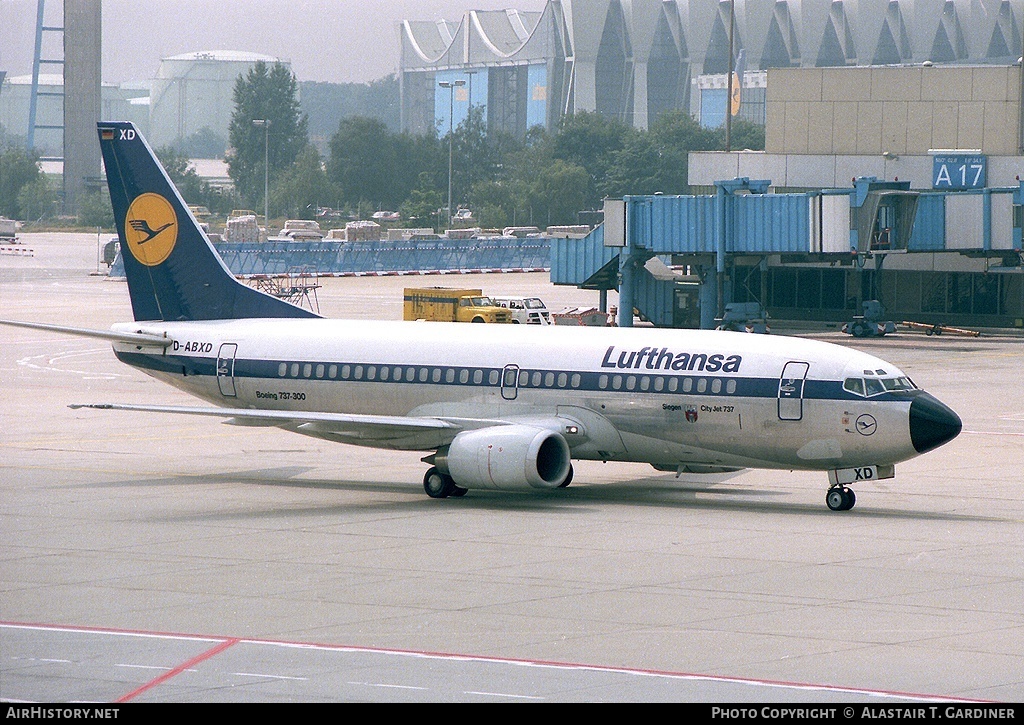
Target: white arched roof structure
[(635, 59)]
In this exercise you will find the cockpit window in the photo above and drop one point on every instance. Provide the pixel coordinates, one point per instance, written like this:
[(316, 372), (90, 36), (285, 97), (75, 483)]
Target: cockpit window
[(873, 386), (897, 383), (870, 386)]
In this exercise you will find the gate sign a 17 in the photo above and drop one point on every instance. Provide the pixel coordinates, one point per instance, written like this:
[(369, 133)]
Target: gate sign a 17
[(958, 171)]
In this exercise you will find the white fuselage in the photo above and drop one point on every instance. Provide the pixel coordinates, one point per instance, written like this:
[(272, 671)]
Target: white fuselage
[(672, 398)]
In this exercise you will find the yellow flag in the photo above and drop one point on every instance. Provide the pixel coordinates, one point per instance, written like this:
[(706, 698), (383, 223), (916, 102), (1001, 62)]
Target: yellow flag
[(734, 105)]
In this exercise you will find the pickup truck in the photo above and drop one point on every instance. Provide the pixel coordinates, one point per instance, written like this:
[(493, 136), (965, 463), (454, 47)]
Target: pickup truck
[(525, 310)]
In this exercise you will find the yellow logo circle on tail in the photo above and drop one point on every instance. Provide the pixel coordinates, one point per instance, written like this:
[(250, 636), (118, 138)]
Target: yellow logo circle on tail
[(151, 229)]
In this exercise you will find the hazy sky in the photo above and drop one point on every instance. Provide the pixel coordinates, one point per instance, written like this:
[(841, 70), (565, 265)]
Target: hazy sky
[(325, 40)]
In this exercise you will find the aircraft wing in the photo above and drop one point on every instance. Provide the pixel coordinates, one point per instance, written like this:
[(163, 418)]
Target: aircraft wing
[(353, 427)]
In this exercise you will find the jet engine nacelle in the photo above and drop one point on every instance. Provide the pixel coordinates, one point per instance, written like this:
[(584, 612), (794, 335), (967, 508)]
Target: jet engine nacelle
[(507, 457)]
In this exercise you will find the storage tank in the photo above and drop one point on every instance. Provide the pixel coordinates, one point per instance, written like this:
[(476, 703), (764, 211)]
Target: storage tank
[(193, 91)]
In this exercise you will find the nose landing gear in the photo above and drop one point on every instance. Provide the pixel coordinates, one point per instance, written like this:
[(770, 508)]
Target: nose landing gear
[(840, 498)]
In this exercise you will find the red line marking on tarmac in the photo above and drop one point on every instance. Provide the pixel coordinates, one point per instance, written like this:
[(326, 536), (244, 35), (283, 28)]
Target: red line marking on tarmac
[(212, 652), (224, 644)]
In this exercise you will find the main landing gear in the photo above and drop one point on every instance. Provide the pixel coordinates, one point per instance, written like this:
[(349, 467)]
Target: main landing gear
[(840, 498), (439, 485)]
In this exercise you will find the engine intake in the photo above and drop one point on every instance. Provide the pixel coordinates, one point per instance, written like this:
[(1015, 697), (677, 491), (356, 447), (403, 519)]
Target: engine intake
[(506, 457)]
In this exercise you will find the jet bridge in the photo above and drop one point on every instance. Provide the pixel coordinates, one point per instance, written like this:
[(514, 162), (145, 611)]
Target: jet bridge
[(705, 236)]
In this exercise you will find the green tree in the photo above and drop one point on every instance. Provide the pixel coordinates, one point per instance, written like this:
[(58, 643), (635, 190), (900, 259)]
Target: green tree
[(95, 210), (378, 168), (326, 104), (636, 168), (193, 189), (591, 140), (18, 169), (478, 155), (264, 93), (558, 193), (746, 135), (420, 209), (363, 161), (183, 175), (8, 139), (36, 199), (204, 144), (303, 188)]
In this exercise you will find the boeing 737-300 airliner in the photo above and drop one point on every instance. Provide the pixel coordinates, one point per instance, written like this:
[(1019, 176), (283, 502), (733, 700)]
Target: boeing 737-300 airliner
[(493, 406)]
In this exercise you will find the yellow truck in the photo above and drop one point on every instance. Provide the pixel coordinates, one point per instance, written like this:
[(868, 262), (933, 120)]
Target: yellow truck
[(444, 304)]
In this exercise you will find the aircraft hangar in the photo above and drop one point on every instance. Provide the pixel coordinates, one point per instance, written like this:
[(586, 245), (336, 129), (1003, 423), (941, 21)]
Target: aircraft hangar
[(635, 59), (892, 161)]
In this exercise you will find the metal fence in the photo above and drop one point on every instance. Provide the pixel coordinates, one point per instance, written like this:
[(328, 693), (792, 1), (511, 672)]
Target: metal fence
[(331, 258)]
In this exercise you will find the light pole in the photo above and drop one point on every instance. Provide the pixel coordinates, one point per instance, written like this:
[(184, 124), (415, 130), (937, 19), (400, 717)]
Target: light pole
[(451, 86), (264, 123)]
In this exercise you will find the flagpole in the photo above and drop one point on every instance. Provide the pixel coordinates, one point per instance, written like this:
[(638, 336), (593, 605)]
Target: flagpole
[(728, 97)]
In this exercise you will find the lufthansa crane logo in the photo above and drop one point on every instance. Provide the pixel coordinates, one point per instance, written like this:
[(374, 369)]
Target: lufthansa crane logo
[(867, 425), (151, 229)]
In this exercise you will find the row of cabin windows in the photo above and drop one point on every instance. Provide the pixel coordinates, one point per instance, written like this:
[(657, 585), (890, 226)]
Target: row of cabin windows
[(659, 383), (396, 373), (399, 373), (524, 378)]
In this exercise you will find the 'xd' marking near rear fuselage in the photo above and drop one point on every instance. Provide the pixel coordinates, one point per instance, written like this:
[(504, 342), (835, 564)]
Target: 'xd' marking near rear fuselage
[(505, 407)]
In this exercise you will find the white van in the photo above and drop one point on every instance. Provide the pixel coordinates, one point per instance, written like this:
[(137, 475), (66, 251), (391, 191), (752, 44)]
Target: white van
[(525, 310)]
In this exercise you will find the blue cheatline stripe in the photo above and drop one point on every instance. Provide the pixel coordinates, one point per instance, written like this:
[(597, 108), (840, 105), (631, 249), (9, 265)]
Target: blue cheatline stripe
[(491, 377)]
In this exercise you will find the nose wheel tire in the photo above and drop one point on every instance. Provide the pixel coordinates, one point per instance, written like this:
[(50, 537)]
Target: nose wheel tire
[(840, 498)]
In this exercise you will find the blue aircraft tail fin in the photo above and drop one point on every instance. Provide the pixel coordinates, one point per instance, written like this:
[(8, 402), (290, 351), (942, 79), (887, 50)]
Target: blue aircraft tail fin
[(173, 271)]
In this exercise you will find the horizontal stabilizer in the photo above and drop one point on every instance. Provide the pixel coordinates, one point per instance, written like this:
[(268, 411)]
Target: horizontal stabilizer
[(130, 338)]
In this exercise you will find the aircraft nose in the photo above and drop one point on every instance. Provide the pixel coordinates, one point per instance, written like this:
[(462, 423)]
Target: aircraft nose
[(932, 423)]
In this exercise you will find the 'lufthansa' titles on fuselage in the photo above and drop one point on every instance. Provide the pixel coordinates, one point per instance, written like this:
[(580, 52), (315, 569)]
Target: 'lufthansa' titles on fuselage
[(655, 358)]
